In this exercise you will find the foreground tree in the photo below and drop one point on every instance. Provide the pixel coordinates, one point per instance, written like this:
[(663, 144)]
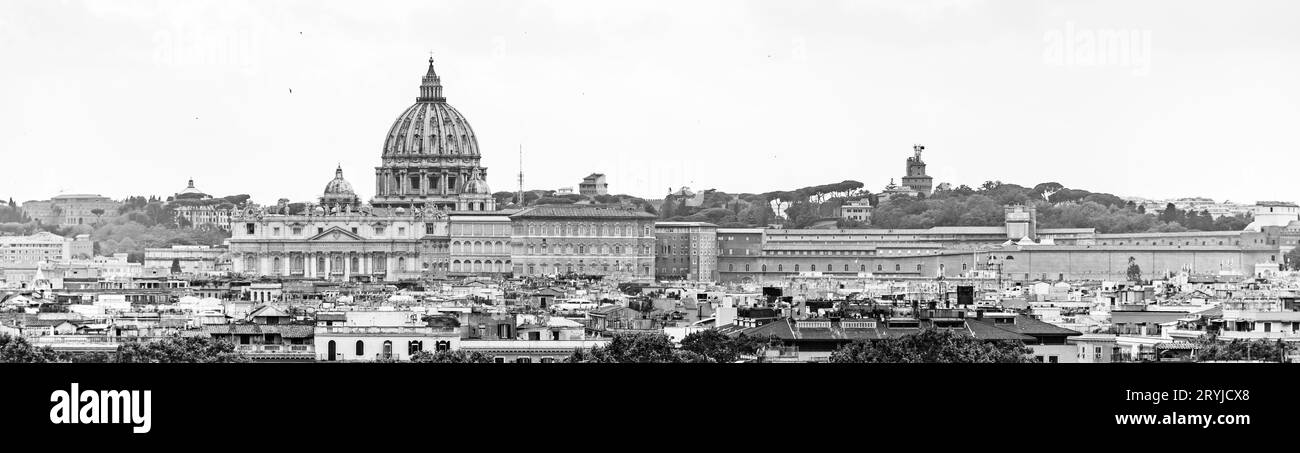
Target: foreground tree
[(18, 350), (631, 348), (180, 350), (1292, 259), (1134, 271), (1210, 348), (712, 345), (457, 356), (933, 346)]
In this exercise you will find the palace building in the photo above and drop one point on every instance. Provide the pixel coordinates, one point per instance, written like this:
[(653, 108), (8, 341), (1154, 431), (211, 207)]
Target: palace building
[(1025, 252), (71, 209), (686, 251), (612, 241), (196, 208)]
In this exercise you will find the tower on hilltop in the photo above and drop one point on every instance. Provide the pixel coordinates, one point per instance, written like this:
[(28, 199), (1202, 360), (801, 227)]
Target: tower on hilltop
[(915, 178)]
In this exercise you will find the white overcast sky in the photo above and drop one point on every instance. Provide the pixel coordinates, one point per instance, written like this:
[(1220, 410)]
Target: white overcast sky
[(127, 98)]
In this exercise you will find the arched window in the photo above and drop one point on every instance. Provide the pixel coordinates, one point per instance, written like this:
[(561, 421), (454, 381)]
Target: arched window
[(898, 268), (812, 267), (361, 348), (846, 268), (780, 268), (388, 349), (763, 268), (746, 268), (796, 268)]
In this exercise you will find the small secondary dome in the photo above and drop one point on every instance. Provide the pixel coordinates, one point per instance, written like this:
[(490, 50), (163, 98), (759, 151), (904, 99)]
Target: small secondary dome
[(339, 191), (477, 185), (191, 192)]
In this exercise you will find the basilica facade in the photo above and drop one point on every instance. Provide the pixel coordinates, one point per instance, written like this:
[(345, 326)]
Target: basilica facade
[(429, 185)]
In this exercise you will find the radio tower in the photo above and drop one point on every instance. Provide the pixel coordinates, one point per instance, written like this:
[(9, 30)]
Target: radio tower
[(519, 198)]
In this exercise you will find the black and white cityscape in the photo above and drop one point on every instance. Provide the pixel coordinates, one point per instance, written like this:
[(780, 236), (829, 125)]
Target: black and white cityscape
[(945, 181)]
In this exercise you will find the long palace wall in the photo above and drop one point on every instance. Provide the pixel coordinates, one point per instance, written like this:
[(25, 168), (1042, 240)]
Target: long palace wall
[(1030, 263)]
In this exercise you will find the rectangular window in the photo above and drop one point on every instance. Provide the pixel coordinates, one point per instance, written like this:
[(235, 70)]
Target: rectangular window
[(379, 230), (401, 231), (275, 231), (297, 231), (250, 228)]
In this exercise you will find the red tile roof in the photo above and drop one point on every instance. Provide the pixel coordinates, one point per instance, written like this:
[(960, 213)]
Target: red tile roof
[(572, 211)]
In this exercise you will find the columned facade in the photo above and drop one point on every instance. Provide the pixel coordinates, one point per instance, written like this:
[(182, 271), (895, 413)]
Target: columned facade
[(370, 245)]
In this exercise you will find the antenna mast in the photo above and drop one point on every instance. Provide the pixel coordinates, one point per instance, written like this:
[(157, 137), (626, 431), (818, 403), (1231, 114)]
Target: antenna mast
[(520, 195)]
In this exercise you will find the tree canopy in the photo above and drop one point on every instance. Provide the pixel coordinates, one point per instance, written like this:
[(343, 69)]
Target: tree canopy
[(180, 350), (1210, 348), (18, 350), (653, 347), (933, 346), (712, 345), (457, 356)]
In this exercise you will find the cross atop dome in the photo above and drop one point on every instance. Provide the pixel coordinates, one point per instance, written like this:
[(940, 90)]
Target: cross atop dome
[(431, 85)]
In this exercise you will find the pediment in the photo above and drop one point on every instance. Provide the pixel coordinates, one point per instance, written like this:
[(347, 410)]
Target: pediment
[(336, 234)]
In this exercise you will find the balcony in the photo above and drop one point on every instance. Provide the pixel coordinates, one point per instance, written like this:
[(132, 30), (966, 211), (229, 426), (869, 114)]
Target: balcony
[(1261, 315), (1257, 335), (1184, 333), (413, 330), (253, 349)]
